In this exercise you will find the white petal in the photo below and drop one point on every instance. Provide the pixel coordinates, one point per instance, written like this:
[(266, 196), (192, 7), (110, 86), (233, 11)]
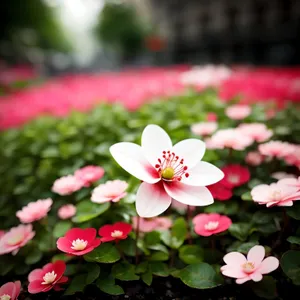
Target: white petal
[(191, 150), (151, 200), (131, 158), (190, 195), (154, 141), (203, 174)]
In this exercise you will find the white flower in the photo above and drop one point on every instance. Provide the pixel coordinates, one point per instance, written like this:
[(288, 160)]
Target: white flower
[(167, 171)]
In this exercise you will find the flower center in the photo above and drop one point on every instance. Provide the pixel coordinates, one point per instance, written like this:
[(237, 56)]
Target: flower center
[(171, 167), (79, 244), (248, 267), (276, 195), (5, 297), (211, 225), (234, 178), (15, 239), (116, 233), (49, 277)]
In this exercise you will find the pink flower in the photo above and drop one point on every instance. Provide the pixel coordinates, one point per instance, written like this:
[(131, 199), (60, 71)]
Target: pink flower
[(34, 211), (282, 175), (254, 158), (276, 149), (235, 175), (89, 174), (78, 241), (2, 232), (250, 268), (115, 232), (229, 138), (167, 171), (67, 211), (292, 182), (16, 238), (275, 194), (257, 131), (67, 185), (10, 290), (182, 207), (110, 191), (204, 128), (150, 224), (238, 111), (293, 158), (211, 117), (220, 192), (209, 224), (50, 276)]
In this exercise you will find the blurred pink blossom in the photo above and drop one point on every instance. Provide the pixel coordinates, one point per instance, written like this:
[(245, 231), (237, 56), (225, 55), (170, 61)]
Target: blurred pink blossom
[(67, 211), (258, 131), (67, 185), (238, 111), (276, 149), (204, 128), (254, 158), (150, 224), (89, 174)]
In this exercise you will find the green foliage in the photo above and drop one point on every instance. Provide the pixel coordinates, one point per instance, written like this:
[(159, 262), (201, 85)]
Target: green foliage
[(105, 253), (290, 264)]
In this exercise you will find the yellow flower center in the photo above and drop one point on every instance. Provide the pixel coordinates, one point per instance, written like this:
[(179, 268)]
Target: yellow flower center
[(116, 233), (248, 267), (167, 173), (5, 297), (49, 277), (79, 244), (14, 240)]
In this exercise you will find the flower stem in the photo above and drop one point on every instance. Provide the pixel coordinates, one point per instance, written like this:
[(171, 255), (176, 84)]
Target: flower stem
[(283, 229), (121, 252), (137, 233), (189, 220)]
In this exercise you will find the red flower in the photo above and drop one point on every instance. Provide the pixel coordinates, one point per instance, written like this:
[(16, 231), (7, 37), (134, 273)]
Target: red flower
[(115, 232), (209, 224), (235, 175), (50, 276), (220, 192), (78, 241)]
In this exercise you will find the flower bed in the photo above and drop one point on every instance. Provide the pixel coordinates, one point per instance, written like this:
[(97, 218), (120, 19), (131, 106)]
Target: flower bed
[(84, 213)]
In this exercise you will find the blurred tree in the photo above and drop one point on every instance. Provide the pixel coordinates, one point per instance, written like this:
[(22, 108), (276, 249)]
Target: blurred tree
[(29, 24), (120, 29)]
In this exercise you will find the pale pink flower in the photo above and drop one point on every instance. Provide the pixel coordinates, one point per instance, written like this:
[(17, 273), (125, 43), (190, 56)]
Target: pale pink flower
[(181, 207), (229, 138), (257, 131), (294, 157), (238, 111), (251, 268), (112, 191), (276, 149), (67, 185), (275, 194), (34, 211), (204, 128), (2, 232), (150, 224), (67, 211), (89, 174), (254, 158), (167, 171), (282, 175), (292, 182), (16, 238)]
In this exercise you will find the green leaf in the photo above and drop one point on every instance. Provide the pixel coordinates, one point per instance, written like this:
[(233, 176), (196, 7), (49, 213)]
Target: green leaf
[(105, 253), (199, 276), (127, 247), (61, 228), (93, 273), (61, 256), (34, 256), (241, 247), (124, 271), (261, 217), (7, 264), (216, 207), (266, 288), (77, 285), (246, 196), (142, 267), (159, 269), (159, 256), (152, 238), (240, 230), (87, 210), (191, 254), (294, 211), (290, 264), (147, 277), (108, 286), (294, 240)]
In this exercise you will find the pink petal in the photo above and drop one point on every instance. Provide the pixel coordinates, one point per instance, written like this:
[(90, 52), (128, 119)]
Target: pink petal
[(191, 150), (63, 279), (8, 288), (256, 255), (131, 158), (187, 194), (268, 265), (154, 141), (256, 276), (285, 203), (151, 200), (234, 259), (233, 272), (36, 286), (59, 267), (242, 280), (203, 174), (36, 274)]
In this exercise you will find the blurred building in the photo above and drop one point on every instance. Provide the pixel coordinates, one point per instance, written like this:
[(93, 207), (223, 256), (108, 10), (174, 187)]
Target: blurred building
[(230, 31)]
